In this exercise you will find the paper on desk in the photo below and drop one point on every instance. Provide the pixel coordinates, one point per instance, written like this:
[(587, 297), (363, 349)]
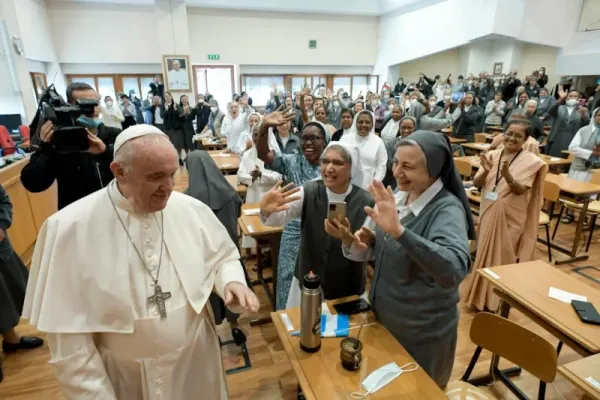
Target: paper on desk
[(252, 211), (486, 145), (287, 322), (223, 155), (250, 228), (491, 273), (593, 382), (555, 158), (564, 296)]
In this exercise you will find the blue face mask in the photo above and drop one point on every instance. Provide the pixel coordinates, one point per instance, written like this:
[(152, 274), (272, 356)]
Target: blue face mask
[(91, 123)]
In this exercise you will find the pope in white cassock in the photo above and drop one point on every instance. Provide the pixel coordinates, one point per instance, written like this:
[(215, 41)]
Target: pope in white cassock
[(121, 278), (178, 78)]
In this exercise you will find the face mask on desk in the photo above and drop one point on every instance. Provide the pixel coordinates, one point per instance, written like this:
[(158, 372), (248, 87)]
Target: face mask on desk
[(381, 377)]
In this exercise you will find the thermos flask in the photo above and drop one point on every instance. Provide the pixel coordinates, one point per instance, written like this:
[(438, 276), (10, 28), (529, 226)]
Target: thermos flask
[(310, 314)]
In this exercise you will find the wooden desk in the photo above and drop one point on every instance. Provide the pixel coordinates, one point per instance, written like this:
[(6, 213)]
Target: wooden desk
[(554, 163), (578, 371), (525, 287), (572, 190), (455, 140), (496, 129), (252, 226), (476, 147), (241, 190), (30, 210), (227, 163), (322, 376), (209, 144)]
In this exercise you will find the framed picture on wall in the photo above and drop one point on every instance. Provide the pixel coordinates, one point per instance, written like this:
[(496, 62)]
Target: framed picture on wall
[(497, 68), (177, 73)]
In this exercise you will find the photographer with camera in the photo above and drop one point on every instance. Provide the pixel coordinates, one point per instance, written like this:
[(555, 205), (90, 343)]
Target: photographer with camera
[(75, 147)]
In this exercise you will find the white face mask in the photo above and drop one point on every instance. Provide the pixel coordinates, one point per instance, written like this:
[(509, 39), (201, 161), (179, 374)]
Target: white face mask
[(497, 85), (572, 102), (214, 109), (200, 101), (381, 377), (336, 103), (432, 103), (447, 98), (469, 83), (109, 104)]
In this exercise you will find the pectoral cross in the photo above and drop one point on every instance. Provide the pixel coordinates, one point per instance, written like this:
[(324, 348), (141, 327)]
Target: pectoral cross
[(159, 298)]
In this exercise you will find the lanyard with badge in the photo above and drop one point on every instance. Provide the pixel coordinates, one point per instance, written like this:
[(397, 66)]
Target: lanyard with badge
[(493, 195)]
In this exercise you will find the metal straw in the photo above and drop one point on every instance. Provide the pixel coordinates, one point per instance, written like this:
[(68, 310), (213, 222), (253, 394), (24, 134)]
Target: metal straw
[(359, 331)]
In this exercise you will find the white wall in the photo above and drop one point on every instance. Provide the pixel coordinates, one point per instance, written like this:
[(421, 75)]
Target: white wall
[(104, 33), (264, 38), (536, 56), (581, 56), (37, 66), (443, 63), (78, 68), (305, 69), (35, 29), (540, 23)]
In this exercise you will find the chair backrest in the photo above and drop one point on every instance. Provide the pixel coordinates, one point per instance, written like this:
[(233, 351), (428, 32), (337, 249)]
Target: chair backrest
[(24, 131), (464, 167), (595, 179), (551, 191), (516, 344), (6, 142), (480, 138)]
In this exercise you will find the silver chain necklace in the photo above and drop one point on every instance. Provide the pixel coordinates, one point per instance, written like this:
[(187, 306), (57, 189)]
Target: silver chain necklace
[(159, 296)]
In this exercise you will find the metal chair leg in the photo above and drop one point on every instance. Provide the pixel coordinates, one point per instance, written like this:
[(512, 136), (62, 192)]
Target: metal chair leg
[(562, 208), (472, 364), (593, 224), (548, 242), (542, 391), (559, 348)]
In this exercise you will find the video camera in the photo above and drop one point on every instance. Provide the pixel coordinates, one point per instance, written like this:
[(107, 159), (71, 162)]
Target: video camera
[(68, 136)]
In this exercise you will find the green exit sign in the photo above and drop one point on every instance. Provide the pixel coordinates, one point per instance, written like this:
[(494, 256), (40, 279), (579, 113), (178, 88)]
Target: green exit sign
[(214, 57), (312, 44)]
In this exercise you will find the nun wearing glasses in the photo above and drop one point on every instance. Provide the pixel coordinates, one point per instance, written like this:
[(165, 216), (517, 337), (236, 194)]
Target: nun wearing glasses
[(419, 240)]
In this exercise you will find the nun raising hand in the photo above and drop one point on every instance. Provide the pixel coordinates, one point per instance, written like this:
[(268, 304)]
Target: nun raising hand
[(418, 238)]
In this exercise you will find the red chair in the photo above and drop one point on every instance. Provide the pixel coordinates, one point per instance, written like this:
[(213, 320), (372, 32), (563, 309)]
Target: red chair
[(24, 131), (6, 142)]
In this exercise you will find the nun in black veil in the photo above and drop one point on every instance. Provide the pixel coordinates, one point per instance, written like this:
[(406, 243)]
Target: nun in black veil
[(207, 184)]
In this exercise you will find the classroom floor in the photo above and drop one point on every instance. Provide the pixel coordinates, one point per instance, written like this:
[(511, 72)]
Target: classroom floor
[(27, 375)]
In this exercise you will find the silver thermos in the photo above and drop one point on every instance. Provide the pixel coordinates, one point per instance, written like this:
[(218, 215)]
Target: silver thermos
[(310, 314)]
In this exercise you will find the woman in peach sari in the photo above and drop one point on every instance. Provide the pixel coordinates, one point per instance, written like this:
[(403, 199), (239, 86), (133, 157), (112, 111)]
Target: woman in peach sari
[(531, 144), (512, 182)]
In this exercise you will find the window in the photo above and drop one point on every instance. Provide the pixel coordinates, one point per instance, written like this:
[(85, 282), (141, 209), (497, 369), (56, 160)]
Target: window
[(106, 87), (112, 85), (216, 81), (259, 88), (342, 82), (359, 84)]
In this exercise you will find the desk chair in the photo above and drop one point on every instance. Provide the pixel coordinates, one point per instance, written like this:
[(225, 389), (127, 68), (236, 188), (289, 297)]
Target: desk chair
[(593, 210), (465, 169), (25, 134), (551, 193), (480, 138), (516, 344)]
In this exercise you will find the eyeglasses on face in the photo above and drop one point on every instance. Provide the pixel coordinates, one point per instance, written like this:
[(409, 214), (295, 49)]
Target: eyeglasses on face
[(336, 163), (517, 136), (310, 138)]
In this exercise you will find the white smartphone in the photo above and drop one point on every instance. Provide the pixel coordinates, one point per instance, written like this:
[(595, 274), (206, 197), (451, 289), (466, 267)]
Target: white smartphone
[(337, 211)]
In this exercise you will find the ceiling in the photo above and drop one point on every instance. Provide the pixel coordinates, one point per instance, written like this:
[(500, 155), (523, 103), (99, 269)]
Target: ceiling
[(348, 7)]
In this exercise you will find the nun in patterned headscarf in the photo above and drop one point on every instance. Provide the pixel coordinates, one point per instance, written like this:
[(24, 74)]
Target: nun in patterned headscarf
[(419, 239), (297, 168), (319, 252)]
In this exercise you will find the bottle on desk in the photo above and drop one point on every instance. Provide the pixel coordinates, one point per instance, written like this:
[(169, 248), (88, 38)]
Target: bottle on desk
[(310, 314)]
